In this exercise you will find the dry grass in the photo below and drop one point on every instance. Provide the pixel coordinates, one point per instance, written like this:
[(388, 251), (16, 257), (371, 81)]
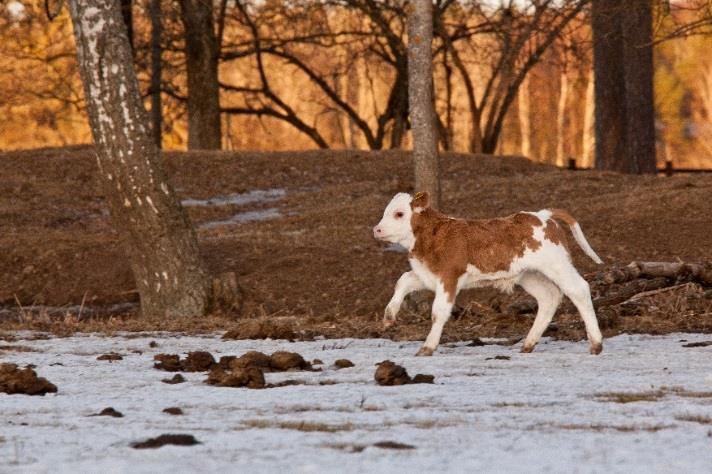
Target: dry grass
[(701, 419), (11, 348), (299, 426), (650, 396), (630, 397), (620, 428)]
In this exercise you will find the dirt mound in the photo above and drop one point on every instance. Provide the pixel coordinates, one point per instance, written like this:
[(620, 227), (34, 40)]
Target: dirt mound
[(423, 378), (197, 361), (109, 411), (252, 359), (111, 357), (389, 373), (250, 377), (167, 362), (173, 411), (177, 378), (164, 439), (14, 380), (282, 361), (343, 363)]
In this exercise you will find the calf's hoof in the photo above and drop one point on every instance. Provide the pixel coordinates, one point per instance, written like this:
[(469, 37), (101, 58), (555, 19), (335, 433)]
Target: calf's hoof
[(527, 348), (596, 348), (424, 352), (388, 323)]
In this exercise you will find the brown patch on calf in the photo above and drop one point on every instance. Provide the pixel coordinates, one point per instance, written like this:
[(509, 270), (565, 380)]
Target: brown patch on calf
[(563, 216), (554, 233), (446, 245)]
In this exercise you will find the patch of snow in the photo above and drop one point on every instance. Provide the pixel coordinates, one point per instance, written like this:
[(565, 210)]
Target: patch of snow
[(240, 199), (536, 411), (242, 217)]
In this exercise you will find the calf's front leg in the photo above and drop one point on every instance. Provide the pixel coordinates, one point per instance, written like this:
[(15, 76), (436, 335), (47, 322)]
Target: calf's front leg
[(442, 307), (407, 283)]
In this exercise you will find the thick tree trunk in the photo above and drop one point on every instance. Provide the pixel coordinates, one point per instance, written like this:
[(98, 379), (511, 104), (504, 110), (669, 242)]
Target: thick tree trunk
[(201, 57), (156, 67), (525, 124), (637, 28), (623, 69), (161, 245), (561, 120), (420, 95), (609, 86)]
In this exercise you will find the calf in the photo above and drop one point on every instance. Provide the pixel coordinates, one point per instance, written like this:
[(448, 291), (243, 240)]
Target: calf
[(448, 255)]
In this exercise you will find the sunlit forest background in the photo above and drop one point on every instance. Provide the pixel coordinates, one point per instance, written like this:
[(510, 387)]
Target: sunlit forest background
[(338, 49)]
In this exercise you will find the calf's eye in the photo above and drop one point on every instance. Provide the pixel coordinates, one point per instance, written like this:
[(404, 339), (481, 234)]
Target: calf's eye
[(399, 215)]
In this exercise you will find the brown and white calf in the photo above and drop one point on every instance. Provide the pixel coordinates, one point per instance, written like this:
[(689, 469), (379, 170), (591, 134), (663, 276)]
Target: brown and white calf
[(448, 255)]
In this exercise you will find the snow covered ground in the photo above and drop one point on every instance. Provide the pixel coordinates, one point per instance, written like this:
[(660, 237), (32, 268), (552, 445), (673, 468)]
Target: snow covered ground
[(541, 412)]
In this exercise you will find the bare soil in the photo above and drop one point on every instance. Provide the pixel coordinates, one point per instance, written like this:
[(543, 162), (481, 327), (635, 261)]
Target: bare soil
[(316, 270)]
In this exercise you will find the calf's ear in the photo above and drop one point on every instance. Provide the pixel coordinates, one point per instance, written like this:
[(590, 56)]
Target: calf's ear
[(420, 201)]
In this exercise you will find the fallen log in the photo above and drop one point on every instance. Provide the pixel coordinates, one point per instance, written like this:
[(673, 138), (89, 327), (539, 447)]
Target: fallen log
[(698, 272)]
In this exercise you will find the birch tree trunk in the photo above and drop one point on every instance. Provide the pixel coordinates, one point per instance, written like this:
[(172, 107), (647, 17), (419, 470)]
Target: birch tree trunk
[(420, 99), (201, 58), (588, 136), (525, 124), (561, 120), (155, 232)]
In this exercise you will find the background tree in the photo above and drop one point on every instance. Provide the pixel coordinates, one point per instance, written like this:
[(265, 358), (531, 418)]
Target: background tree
[(156, 68), (623, 71), (420, 103), (161, 245), (201, 60)]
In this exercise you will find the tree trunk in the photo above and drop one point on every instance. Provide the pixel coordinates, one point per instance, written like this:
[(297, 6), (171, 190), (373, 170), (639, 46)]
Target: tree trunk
[(420, 94), (609, 86), (154, 229), (588, 136), (127, 14), (525, 124), (561, 120), (156, 66), (447, 138), (623, 69), (201, 57), (637, 28)]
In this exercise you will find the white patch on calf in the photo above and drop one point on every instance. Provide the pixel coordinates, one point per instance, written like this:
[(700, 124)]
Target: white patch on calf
[(394, 226)]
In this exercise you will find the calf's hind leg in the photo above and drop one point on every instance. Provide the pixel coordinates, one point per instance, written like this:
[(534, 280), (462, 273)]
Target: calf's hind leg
[(576, 288), (548, 297)]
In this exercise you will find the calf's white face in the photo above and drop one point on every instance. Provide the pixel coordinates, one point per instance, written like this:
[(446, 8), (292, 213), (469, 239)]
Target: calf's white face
[(395, 224)]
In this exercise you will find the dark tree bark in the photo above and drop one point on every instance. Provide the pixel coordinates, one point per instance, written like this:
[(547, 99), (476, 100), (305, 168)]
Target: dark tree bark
[(127, 14), (156, 67), (610, 111), (201, 57), (623, 75), (160, 243), (637, 28), (420, 99)]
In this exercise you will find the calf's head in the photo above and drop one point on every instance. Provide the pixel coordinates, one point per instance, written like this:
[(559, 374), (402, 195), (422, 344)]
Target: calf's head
[(395, 226)]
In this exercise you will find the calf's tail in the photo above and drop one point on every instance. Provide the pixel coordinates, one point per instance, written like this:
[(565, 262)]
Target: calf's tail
[(565, 217)]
